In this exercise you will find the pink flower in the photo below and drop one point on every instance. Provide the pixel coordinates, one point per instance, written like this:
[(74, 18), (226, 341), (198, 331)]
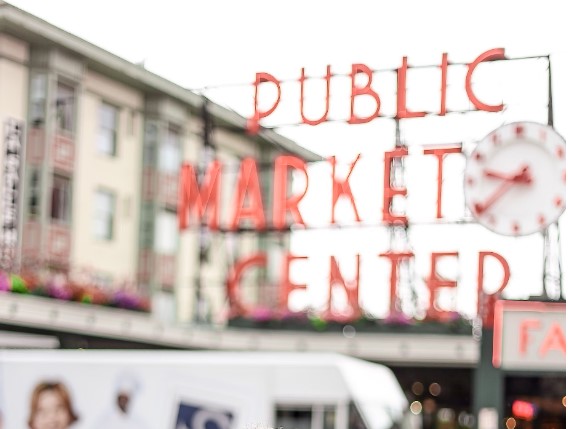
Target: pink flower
[(4, 282), (261, 314), (398, 318)]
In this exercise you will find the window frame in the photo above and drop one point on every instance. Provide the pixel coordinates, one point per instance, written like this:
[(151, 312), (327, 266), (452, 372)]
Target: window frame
[(157, 242), (317, 412), (113, 152), (169, 144), (63, 215), (69, 111), (33, 196), (109, 220), (38, 97)]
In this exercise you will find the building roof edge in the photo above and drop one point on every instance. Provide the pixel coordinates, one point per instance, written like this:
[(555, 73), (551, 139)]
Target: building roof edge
[(18, 21)]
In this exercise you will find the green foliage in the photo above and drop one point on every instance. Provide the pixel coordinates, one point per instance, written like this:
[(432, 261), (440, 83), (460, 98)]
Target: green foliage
[(318, 323), (18, 284)]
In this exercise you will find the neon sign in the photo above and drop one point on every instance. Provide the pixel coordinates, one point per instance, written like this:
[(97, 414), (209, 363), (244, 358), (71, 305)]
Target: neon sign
[(201, 202), (402, 112), (204, 201)]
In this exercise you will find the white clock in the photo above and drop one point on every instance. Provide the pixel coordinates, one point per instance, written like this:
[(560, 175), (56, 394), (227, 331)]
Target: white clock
[(515, 179)]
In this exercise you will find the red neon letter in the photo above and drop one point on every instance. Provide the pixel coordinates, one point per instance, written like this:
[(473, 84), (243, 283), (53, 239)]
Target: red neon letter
[(365, 90), (281, 201), (395, 259), (324, 117), (253, 123), (486, 302), (524, 334), (492, 54), (440, 154), (435, 282), (286, 286), (248, 183), (401, 110), (233, 282), (555, 339), (351, 290), (444, 68), (342, 187), (190, 195), (390, 192)]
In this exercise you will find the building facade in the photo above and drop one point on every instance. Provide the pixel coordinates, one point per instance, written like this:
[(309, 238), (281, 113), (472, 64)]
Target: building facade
[(102, 142)]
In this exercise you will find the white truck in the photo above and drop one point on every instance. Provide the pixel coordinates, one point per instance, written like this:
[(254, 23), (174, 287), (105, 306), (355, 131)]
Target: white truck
[(77, 389)]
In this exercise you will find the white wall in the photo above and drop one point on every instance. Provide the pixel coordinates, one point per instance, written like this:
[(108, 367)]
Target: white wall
[(120, 174)]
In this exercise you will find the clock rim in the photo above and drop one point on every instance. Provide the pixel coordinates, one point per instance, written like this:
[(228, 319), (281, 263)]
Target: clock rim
[(469, 203)]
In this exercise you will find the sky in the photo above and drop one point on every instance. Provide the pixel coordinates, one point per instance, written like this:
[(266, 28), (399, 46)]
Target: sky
[(208, 44)]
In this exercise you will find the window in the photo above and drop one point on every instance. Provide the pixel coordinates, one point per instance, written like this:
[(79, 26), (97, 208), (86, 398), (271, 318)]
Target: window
[(103, 220), (166, 232), (146, 226), (65, 107), (294, 418), (355, 419), (150, 142), (170, 152), (108, 120), (34, 194), (61, 199), (306, 417), (38, 90)]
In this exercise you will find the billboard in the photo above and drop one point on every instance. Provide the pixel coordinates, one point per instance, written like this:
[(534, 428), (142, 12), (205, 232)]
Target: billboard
[(77, 389)]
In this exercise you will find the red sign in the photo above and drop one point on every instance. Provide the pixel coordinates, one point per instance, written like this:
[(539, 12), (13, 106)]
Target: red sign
[(530, 335), (402, 112), (201, 202), (248, 208), (351, 287)]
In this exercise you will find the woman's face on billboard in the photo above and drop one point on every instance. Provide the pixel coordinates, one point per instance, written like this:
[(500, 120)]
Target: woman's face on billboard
[(51, 412)]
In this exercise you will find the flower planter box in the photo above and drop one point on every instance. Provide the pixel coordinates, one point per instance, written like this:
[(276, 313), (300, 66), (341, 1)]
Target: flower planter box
[(454, 327)]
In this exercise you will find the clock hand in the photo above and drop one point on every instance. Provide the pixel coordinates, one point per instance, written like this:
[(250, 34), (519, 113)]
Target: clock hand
[(523, 176), (497, 175), (480, 208)]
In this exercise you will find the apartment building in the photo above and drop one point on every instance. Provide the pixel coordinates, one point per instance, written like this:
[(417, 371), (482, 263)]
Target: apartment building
[(92, 150)]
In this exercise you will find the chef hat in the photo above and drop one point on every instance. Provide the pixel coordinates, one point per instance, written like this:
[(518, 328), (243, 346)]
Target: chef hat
[(126, 383)]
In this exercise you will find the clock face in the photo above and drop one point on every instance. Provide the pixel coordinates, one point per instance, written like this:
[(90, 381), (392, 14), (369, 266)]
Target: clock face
[(515, 179)]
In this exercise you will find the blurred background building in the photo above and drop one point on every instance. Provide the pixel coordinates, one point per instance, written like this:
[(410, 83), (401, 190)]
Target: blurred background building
[(102, 141), (92, 255)]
